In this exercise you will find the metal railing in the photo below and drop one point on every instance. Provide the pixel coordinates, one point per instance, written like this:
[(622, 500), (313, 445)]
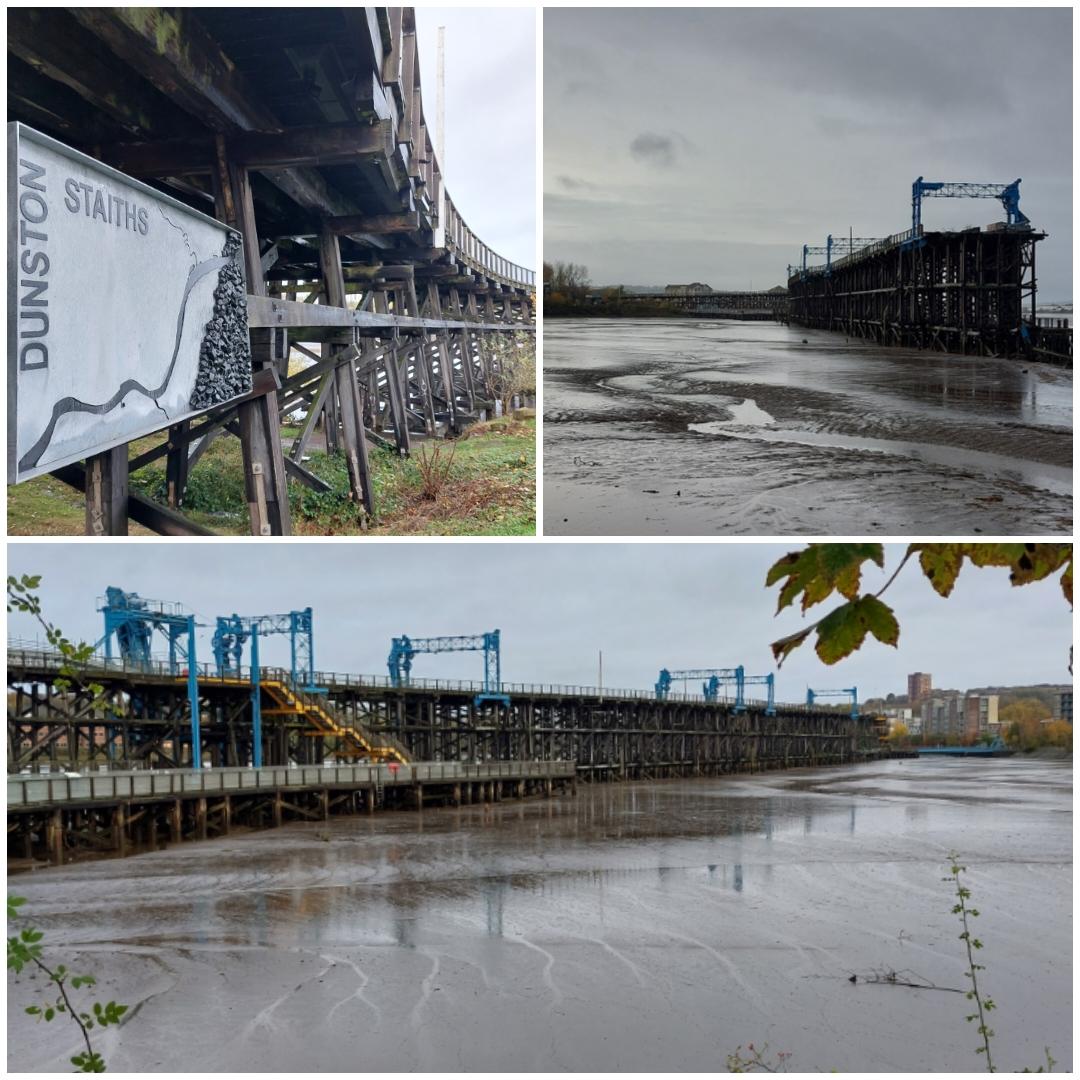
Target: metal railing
[(43, 788), (33, 656), (864, 252)]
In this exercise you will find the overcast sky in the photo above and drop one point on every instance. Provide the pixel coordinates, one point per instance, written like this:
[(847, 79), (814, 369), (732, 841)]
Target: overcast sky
[(490, 165), (710, 144), (646, 605)]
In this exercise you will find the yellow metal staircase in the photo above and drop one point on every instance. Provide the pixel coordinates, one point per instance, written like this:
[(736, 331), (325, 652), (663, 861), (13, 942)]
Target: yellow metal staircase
[(353, 739)]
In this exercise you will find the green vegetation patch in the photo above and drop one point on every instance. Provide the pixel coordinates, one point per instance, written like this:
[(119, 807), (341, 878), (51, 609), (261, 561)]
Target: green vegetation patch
[(481, 484)]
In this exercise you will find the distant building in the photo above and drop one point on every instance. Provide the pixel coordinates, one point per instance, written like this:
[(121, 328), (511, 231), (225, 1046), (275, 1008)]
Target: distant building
[(980, 715), (1066, 705), (897, 714), (918, 688), (695, 288), (943, 715)]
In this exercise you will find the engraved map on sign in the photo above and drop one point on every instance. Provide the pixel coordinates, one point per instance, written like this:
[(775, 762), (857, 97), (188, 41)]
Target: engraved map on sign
[(126, 309)]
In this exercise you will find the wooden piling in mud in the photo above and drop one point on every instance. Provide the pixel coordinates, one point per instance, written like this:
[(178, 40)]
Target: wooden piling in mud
[(62, 818)]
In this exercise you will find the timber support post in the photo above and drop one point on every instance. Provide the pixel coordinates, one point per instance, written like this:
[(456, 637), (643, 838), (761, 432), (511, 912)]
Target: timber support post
[(350, 411), (107, 492)]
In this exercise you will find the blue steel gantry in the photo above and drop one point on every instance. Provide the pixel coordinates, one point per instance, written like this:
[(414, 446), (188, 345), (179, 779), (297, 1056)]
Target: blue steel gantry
[(717, 677), (813, 695), (133, 621), (233, 631), (404, 648), (1007, 194), (230, 637)]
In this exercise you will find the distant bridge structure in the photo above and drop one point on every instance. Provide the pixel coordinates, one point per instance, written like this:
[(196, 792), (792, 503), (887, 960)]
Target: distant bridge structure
[(720, 304)]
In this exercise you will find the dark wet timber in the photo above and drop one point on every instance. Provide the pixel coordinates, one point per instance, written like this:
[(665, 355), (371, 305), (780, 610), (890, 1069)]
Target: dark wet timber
[(58, 818), (144, 721), (643, 927), (971, 291)]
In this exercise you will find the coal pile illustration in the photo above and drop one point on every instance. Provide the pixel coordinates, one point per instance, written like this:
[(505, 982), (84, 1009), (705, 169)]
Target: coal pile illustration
[(225, 355)]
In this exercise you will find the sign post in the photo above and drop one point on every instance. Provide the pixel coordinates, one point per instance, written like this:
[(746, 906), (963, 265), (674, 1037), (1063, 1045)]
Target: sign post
[(127, 314)]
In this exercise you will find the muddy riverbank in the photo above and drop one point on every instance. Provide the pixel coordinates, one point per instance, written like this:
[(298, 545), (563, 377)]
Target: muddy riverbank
[(718, 427), (633, 927)]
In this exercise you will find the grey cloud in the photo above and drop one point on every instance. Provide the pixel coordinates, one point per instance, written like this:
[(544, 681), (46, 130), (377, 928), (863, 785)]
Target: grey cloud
[(654, 149), (645, 605), (573, 183), (823, 116)]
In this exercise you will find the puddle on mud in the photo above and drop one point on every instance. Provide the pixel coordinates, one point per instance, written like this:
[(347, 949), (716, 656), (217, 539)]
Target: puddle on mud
[(1049, 478), (743, 412)]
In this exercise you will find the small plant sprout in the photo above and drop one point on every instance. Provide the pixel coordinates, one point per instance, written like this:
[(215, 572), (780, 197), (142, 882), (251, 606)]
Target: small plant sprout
[(983, 1005), (25, 948), (756, 1059)]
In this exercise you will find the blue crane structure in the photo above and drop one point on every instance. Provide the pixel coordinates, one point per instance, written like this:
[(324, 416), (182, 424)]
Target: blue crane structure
[(841, 246), (133, 621), (404, 648), (235, 631), (1007, 194), (813, 695), (715, 678)]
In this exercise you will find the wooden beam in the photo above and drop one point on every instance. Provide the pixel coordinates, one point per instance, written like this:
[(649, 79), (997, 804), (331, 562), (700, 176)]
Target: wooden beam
[(345, 386), (321, 144), (173, 51), (372, 223), (155, 517), (305, 476), (271, 311), (171, 48), (52, 43)]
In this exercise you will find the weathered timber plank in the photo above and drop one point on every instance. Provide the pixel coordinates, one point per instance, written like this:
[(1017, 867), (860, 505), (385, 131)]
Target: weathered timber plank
[(271, 311), (320, 144)]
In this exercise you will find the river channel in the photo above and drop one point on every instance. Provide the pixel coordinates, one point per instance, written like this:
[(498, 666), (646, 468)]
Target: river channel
[(649, 926), (718, 427)]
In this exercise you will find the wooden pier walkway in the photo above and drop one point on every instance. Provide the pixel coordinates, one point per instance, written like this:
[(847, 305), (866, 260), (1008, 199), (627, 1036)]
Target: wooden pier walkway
[(57, 817)]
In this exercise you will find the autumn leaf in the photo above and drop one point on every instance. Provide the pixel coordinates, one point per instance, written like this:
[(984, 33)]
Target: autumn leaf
[(781, 648), (843, 631), (1039, 561), (940, 563), (993, 554), (821, 568)]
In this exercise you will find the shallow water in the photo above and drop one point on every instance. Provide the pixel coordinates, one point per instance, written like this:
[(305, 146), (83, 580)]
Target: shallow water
[(718, 427), (632, 927)]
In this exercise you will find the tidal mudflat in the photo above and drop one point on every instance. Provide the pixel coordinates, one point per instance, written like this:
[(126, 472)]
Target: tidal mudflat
[(714, 427), (649, 926)]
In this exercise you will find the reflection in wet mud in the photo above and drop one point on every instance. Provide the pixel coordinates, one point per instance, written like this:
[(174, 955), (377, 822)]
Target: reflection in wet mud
[(687, 427), (640, 927)]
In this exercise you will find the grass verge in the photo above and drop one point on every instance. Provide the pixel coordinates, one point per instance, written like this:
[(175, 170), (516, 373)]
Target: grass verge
[(490, 490)]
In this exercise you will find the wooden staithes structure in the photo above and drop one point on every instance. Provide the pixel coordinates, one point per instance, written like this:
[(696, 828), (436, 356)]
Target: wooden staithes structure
[(970, 291), (143, 719), (303, 128)]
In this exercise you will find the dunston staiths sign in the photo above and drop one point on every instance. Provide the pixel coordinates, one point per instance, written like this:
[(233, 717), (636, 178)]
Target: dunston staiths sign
[(126, 309)]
